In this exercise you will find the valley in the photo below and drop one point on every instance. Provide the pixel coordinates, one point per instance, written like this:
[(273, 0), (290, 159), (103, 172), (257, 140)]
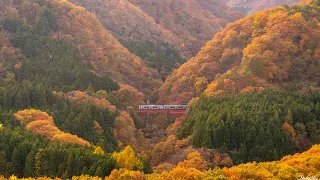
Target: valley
[(74, 74)]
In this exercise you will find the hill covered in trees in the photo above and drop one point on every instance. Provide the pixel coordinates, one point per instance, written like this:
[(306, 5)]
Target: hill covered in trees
[(276, 48), (69, 88), (195, 22), (33, 24), (252, 6), (289, 167), (255, 126), (162, 33)]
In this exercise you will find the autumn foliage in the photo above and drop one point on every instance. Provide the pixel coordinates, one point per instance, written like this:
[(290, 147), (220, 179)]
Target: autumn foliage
[(186, 25), (83, 98), (194, 22), (275, 48), (96, 45), (41, 123), (252, 6)]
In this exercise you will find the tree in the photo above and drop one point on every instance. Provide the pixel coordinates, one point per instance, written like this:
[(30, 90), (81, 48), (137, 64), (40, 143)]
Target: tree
[(200, 85), (99, 151), (16, 160), (29, 168), (3, 162), (127, 159), (289, 118), (70, 167), (99, 172), (194, 160)]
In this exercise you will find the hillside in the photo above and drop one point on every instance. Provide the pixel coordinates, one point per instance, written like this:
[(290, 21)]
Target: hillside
[(258, 126), (276, 48), (73, 72), (72, 24), (161, 42), (252, 6), (289, 167), (138, 32), (195, 22)]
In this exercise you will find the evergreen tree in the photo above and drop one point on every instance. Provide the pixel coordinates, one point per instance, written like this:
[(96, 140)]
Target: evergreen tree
[(16, 160), (99, 172), (70, 165), (30, 164), (37, 171), (3, 162)]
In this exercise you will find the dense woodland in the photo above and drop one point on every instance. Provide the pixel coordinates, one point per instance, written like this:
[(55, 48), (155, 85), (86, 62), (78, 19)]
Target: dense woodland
[(276, 48), (70, 82), (187, 25), (255, 126), (289, 167), (252, 6)]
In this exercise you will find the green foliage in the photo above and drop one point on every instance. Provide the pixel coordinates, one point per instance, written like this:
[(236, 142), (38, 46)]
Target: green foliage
[(304, 9), (70, 117), (35, 156), (250, 125), (316, 3), (56, 63), (163, 57), (147, 169)]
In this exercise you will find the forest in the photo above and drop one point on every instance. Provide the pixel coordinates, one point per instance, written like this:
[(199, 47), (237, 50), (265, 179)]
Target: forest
[(72, 73), (255, 126)]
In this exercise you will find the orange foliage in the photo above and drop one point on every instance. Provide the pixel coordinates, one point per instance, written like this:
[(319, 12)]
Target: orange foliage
[(251, 6), (128, 96), (124, 174), (269, 49), (306, 164), (41, 123), (124, 128), (83, 98), (194, 160), (98, 47), (172, 129), (128, 22), (191, 21), (163, 149)]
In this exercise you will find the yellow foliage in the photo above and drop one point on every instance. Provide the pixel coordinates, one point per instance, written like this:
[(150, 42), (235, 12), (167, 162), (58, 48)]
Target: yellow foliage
[(85, 177), (99, 151), (41, 123), (126, 159), (125, 174), (194, 160), (13, 177)]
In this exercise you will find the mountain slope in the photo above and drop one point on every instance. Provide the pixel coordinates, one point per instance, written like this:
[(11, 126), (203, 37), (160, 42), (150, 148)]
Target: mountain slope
[(195, 22), (252, 6), (296, 166), (128, 22), (159, 41), (139, 32), (277, 48), (96, 46), (257, 126)]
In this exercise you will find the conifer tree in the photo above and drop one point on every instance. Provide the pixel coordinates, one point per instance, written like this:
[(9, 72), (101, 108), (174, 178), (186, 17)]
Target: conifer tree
[(99, 172), (30, 164), (70, 166), (3, 162)]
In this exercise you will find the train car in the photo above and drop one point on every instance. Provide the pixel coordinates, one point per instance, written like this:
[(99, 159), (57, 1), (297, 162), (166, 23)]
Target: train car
[(165, 107)]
